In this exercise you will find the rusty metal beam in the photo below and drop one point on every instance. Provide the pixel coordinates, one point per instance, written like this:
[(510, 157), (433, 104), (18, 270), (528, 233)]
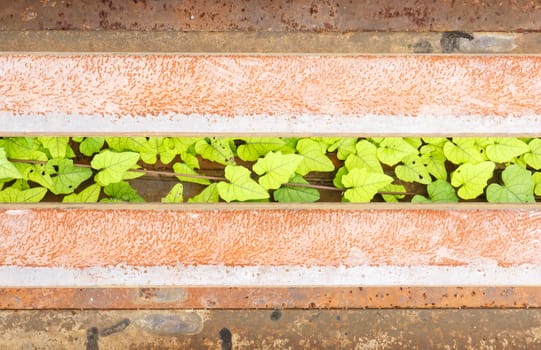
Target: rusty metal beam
[(270, 298), (307, 235), (297, 329), (228, 43), (268, 15), (270, 95), (269, 246)]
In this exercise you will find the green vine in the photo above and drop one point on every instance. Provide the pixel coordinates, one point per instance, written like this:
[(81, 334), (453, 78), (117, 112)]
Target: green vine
[(392, 169)]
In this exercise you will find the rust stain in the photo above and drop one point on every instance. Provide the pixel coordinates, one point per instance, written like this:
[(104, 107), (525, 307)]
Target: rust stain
[(281, 15), (79, 238), (273, 298), (151, 85)]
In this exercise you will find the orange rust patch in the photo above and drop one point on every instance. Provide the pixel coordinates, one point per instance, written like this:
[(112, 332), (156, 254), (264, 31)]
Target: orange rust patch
[(270, 298), (150, 85), (79, 238)]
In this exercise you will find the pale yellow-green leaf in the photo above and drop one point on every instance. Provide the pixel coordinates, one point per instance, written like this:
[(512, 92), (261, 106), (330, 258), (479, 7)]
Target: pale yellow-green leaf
[(504, 149), (314, 157), (174, 195), (363, 185), (240, 186), (471, 179), (533, 157), (364, 157), (393, 149), (463, 150), (208, 195), (277, 168)]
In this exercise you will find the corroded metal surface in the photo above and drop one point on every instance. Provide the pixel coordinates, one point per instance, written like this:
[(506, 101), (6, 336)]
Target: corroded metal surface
[(270, 298), (268, 15), (270, 42), (278, 329), (298, 245), (308, 236), (354, 95)]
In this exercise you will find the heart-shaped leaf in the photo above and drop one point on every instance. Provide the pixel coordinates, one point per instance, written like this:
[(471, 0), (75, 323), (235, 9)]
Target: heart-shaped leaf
[(113, 166), (518, 187), (363, 185), (255, 147), (314, 157), (393, 149), (240, 186), (439, 191), (472, 179), (504, 149), (277, 167)]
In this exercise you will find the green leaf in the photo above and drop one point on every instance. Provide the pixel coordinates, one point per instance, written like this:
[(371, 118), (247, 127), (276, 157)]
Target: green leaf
[(536, 178), (113, 166), (20, 184), (296, 194), (216, 150), (121, 192), (120, 144), (241, 186), (170, 147), (57, 146), (533, 158), (208, 195), (314, 157), (439, 191), (149, 154), (435, 141), (290, 146), (175, 195), (434, 160), (505, 149), (37, 173), (14, 195), (148, 151), (277, 167), (7, 169), (364, 157), (181, 168), (413, 170), (345, 147), (393, 149), (65, 177), (472, 179), (518, 187), (337, 181), (91, 194), (393, 198), (463, 150), (24, 148), (91, 145), (363, 185), (255, 147), (414, 141)]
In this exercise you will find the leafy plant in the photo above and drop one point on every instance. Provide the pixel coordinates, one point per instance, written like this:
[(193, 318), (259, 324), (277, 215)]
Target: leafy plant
[(392, 169)]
